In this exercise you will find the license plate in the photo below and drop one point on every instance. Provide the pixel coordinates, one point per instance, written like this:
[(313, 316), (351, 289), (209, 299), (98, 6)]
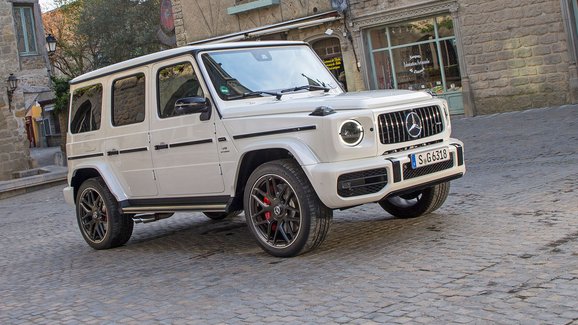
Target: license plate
[(429, 157)]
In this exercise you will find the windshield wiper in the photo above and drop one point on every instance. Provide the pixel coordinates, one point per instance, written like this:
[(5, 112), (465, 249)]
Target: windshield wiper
[(306, 87), (257, 93)]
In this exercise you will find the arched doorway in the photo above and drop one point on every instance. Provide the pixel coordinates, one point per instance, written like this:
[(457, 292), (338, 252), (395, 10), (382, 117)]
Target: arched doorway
[(329, 50)]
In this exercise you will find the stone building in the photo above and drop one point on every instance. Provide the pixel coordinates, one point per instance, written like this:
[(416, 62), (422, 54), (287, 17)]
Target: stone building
[(23, 54), (313, 21), (483, 56)]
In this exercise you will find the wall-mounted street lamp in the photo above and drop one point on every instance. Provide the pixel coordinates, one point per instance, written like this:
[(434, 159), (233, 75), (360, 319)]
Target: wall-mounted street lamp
[(50, 44), (12, 83)]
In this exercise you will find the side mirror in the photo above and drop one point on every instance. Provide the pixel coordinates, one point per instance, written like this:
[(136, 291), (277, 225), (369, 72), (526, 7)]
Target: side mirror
[(193, 105)]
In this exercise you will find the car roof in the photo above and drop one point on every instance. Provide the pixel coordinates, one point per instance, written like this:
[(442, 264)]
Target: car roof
[(163, 55)]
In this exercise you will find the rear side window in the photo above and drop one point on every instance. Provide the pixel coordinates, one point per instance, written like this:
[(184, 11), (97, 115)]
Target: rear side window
[(128, 100), (86, 109), (174, 82)]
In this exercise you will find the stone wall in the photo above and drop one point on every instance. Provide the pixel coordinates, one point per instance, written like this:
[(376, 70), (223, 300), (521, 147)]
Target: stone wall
[(516, 53), (513, 53), (201, 19), (32, 74), (13, 144)]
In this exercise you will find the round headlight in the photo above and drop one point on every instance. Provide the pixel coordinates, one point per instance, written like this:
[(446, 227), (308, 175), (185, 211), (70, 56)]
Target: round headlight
[(351, 132)]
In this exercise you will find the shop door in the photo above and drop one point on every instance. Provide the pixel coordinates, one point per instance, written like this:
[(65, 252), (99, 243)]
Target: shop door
[(329, 50), (418, 55)]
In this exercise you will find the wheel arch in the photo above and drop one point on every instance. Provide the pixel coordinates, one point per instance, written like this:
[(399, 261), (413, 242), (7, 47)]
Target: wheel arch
[(257, 155), (86, 172)]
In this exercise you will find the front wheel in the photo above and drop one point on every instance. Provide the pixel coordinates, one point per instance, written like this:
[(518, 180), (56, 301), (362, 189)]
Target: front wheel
[(99, 218), (418, 203), (283, 211)]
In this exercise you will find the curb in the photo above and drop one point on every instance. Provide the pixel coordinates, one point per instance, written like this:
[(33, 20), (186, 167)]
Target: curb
[(52, 175)]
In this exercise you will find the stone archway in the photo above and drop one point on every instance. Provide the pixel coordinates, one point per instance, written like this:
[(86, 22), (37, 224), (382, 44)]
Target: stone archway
[(329, 50)]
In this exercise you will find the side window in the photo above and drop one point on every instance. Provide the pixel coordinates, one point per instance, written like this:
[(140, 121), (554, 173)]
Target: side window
[(86, 109), (174, 82), (25, 31), (128, 100)]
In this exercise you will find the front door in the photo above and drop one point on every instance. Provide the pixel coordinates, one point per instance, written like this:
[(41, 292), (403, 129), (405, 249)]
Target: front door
[(184, 146)]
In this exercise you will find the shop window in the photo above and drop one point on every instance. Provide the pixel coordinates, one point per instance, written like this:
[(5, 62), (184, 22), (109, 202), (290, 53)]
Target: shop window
[(416, 55), (174, 82), (128, 100), (86, 109), (25, 29)]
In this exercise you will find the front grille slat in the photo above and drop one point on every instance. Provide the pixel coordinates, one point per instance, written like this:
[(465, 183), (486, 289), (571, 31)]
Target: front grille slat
[(393, 129), (429, 120), (389, 124), (424, 117)]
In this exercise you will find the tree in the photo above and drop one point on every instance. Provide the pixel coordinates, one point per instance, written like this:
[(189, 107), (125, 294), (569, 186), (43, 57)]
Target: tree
[(74, 53), (92, 34), (119, 29), (95, 33), (62, 96)]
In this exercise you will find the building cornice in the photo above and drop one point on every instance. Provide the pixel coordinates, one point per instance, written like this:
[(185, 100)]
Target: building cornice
[(426, 8)]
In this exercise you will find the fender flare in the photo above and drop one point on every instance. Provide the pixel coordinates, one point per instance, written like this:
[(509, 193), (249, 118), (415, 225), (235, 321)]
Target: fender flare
[(107, 175)]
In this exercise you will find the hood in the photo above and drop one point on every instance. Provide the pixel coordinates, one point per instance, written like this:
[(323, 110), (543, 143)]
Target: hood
[(307, 102)]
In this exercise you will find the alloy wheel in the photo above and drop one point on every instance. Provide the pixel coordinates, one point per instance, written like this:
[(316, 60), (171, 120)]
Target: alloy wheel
[(94, 215), (275, 211)]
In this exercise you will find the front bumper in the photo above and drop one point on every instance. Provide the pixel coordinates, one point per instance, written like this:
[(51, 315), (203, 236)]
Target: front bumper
[(388, 174), (68, 195)]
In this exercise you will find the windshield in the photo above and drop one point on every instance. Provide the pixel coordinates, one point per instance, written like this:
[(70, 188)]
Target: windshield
[(267, 71)]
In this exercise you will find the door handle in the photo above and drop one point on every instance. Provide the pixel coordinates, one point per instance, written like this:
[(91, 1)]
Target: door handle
[(112, 152), (161, 146)]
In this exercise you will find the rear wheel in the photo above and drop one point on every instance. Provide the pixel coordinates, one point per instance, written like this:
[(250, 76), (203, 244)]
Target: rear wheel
[(221, 215), (99, 218), (418, 203), (283, 211)]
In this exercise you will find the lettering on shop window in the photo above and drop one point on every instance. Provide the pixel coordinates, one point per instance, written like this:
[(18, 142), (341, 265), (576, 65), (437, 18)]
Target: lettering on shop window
[(333, 63), (415, 64)]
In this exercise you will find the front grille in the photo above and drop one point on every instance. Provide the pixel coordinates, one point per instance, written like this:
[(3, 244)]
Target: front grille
[(392, 128), (362, 183), (408, 172)]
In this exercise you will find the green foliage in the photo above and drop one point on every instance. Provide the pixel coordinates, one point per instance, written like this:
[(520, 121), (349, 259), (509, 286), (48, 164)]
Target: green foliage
[(62, 93), (119, 29), (92, 34)]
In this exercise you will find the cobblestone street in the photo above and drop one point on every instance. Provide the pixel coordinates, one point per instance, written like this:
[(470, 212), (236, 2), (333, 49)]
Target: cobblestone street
[(502, 250)]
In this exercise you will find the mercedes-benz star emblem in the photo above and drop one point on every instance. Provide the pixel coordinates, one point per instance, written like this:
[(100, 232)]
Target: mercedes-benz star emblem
[(413, 124), (277, 210)]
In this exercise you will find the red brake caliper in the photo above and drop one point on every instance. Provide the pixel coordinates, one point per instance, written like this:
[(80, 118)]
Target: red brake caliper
[(268, 214)]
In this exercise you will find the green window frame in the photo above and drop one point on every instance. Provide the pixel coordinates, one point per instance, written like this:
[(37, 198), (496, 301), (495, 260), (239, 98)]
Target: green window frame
[(25, 29), (387, 52)]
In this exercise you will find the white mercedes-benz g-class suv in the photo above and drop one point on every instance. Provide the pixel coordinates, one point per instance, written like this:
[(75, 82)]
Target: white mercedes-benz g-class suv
[(259, 127)]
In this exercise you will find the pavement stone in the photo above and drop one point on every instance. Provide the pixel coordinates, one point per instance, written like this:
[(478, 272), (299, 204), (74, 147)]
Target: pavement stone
[(502, 250)]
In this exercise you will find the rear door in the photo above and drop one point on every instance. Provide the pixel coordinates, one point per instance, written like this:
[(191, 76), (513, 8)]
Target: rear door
[(184, 145), (127, 145)]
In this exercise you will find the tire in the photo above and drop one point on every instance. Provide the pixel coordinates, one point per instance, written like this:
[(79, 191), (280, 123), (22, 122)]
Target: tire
[(283, 211), (221, 215), (99, 218), (418, 203)]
